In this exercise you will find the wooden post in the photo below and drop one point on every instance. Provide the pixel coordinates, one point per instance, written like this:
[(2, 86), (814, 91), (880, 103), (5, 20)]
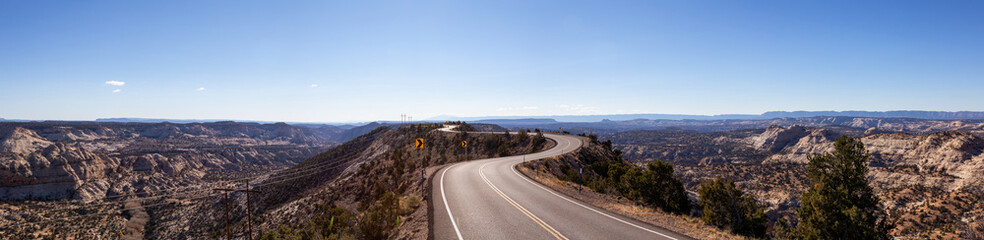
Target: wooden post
[(249, 219), (228, 225), (249, 211), (228, 231)]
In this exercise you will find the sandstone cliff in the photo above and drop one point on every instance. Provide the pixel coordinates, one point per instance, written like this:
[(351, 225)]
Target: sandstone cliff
[(930, 182), (90, 161)]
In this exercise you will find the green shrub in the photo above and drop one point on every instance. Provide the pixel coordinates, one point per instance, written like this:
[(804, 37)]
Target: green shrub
[(657, 186), (654, 185), (724, 205), (380, 220)]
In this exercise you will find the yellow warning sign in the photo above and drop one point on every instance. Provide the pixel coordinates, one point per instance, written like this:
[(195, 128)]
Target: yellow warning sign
[(464, 143), (420, 143)]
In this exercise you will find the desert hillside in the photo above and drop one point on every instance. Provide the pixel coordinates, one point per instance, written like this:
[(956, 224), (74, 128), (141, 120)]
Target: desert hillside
[(373, 186), (85, 170), (929, 182)]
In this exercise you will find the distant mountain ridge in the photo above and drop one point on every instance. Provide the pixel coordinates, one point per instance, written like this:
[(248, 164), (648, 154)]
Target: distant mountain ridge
[(161, 120), (544, 119), (518, 121), (11, 120), (933, 115)]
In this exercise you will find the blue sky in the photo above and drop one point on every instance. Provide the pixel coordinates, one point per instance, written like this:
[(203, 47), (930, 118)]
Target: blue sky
[(335, 61)]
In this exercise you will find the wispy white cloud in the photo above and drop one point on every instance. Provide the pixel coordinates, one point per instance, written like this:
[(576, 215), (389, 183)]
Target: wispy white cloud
[(524, 108), (117, 90), (314, 85), (578, 109), (115, 83), (200, 89)]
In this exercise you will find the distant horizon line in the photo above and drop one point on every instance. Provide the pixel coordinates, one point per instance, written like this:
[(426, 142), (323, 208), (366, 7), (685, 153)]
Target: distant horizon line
[(948, 115)]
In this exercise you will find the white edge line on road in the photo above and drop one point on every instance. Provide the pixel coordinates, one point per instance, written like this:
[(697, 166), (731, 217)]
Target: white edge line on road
[(513, 167), (444, 196)]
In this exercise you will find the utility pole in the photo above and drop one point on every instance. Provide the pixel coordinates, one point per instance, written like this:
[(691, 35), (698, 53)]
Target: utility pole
[(226, 190), (249, 212)]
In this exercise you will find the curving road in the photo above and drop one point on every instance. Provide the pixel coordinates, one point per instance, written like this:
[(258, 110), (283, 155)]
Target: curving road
[(489, 199)]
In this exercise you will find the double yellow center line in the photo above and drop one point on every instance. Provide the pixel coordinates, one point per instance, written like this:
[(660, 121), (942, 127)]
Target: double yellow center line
[(536, 219)]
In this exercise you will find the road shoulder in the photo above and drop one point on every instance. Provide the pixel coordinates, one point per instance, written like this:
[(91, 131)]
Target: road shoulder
[(689, 226)]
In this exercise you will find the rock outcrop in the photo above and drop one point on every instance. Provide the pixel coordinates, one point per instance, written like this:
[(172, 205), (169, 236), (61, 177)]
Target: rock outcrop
[(930, 182), (20, 141), (775, 138), (57, 171), (87, 161)]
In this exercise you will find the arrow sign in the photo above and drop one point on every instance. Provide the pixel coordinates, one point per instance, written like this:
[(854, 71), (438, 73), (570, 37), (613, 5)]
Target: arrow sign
[(464, 143), (420, 143)]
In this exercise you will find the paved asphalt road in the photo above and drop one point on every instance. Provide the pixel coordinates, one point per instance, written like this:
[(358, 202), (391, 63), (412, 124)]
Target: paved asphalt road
[(489, 199)]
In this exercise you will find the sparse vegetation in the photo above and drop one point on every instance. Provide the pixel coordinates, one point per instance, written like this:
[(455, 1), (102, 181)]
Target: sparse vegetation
[(332, 223), (608, 172), (604, 195), (917, 177), (386, 190), (462, 126)]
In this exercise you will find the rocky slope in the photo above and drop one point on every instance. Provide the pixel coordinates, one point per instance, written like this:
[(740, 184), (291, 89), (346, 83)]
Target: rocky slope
[(18, 140), (930, 182), (90, 168), (373, 186), (86, 161)]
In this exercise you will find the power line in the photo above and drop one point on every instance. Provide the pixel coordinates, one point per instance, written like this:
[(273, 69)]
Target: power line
[(95, 214), (249, 226), (122, 201), (284, 180), (173, 188), (292, 172), (153, 205), (294, 175)]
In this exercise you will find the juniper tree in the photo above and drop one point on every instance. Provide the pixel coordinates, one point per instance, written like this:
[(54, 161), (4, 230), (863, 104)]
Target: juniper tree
[(723, 204), (840, 204)]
